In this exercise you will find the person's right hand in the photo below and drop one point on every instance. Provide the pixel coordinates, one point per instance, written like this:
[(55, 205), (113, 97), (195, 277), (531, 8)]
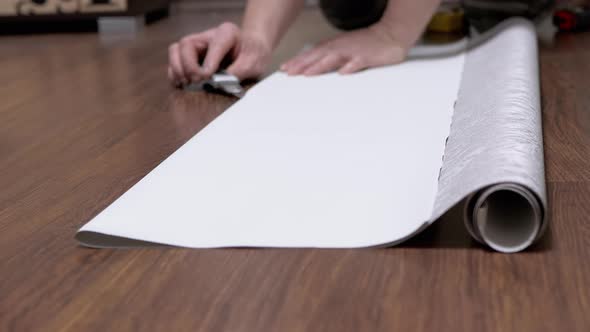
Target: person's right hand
[(198, 56)]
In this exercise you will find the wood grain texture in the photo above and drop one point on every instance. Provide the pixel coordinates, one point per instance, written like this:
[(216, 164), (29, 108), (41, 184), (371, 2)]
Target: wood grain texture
[(82, 120)]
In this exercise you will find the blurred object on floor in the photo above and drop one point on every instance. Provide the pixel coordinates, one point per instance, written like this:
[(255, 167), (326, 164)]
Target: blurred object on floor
[(449, 18), (63, 7), (43, 16), (572, 18), (484, 14)]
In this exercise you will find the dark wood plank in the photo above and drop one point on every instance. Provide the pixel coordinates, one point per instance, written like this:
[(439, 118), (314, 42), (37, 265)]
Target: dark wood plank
[(81, 121)]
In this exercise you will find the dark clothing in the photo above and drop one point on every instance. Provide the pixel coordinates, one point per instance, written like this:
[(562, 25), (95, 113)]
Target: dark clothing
[(355, 14), (352, 14)]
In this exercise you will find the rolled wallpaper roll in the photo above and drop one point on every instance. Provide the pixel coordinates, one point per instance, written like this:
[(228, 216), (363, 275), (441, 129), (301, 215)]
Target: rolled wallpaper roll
[(494, 153), (357, 161)]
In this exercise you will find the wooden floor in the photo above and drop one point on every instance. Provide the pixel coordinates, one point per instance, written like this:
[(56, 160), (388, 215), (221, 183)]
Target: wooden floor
[(82, 119)]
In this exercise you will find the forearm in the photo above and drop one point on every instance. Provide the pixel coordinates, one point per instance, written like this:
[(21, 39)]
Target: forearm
[(270, 19), (405, 20)]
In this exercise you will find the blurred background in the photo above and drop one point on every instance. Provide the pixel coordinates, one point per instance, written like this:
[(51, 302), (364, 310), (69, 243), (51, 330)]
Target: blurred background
[(33, 16), (40, 16), (112, 18)]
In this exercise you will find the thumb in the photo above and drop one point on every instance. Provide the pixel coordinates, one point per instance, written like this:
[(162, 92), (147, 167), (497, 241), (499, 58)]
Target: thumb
[(239, 68), (244, 67)]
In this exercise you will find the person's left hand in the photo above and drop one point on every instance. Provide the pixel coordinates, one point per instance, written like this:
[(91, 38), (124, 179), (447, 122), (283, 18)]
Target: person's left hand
[(348, 53)]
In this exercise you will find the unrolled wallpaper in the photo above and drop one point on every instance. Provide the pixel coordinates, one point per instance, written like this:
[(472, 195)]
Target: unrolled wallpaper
[(361, 160)]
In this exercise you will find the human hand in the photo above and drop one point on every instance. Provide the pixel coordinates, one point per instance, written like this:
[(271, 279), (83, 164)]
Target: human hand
[(248, 54), (348, 53)]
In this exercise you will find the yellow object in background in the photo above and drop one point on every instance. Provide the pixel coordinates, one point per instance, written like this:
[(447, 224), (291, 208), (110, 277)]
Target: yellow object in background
[(448, 19)]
